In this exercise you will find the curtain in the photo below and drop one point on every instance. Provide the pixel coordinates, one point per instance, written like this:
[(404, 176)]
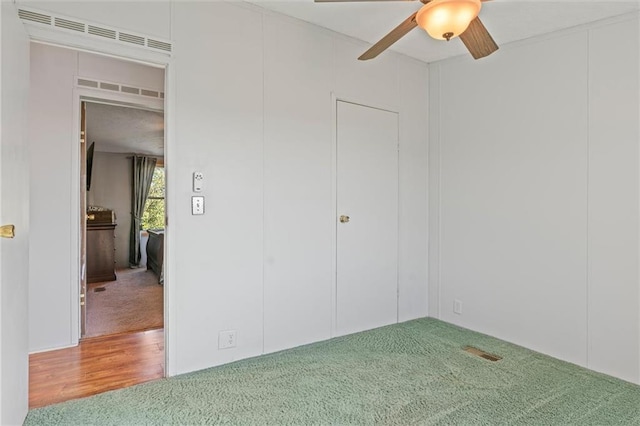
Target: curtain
[(143, 168)]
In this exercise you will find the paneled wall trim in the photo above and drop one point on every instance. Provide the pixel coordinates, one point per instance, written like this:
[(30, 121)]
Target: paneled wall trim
[(534, 217)]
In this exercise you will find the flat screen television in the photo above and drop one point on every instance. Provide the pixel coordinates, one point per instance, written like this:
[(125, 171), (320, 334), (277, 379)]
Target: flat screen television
[(89, 164)]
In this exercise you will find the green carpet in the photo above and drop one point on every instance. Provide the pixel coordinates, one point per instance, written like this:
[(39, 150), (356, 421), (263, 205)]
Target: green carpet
[(410, 373)]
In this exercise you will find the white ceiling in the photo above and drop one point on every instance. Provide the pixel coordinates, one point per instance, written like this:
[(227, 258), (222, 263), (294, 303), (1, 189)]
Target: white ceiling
[(506, 20), (121, 129)]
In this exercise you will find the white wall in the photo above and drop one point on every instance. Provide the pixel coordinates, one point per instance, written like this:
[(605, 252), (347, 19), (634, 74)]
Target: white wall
[(254, 115), (111, 188), (52, 135), (534, 195), (613, 210), (253, 112), (14, 209)]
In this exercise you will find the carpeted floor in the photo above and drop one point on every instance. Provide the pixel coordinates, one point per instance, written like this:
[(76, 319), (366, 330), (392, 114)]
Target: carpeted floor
[(405, 374), (134, 302)]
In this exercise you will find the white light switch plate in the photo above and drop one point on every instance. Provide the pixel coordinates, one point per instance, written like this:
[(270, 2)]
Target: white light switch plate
[(198, 181), (197, 205)]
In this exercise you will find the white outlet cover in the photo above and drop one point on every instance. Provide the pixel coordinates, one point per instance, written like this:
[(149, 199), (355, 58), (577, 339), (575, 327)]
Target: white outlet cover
[(227, 339), (457, 307), (197, 205)]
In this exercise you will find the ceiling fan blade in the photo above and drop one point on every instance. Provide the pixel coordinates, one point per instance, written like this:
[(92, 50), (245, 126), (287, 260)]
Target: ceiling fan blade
[(396, 34), (351, 1), (478, 40)]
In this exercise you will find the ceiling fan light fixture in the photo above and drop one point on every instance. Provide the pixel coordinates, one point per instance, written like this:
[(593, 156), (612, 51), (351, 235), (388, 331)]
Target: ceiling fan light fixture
[(446, 19)]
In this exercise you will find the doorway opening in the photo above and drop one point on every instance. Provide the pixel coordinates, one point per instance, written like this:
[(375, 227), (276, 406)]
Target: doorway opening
[(107, 98), (124, 207)]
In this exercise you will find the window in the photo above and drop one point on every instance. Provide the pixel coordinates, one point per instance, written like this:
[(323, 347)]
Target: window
[(153, 216)]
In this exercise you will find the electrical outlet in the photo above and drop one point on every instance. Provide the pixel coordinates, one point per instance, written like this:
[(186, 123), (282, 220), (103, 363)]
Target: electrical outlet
[(457, 307), (197, 205), (227, 339)]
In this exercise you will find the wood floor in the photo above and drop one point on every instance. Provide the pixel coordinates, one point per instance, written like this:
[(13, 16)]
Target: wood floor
[(96, 365)]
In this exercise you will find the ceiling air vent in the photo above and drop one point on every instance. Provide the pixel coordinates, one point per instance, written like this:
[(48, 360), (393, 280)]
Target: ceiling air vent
[(102, 32), (161, 45), (69, 25), (40, 18), (130, 38)]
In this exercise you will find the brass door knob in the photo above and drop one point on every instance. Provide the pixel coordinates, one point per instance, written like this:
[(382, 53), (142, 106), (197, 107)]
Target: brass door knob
[(7, 231), (344, 219), (91, 217)]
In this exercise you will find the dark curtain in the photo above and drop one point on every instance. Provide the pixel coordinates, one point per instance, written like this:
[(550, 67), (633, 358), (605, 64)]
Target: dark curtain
[(143, 168)]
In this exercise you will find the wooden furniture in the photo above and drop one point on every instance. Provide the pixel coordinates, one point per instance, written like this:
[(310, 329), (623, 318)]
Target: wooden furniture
[(101, 252), (155, 252)]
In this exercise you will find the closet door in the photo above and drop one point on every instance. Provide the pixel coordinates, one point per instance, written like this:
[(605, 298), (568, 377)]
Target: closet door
[(367, 208)]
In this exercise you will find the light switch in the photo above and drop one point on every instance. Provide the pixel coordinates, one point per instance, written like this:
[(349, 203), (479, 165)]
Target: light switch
[(197, 205), (198, 181)]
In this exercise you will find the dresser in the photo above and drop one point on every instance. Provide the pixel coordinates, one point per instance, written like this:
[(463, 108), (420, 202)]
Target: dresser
[(101, 252)]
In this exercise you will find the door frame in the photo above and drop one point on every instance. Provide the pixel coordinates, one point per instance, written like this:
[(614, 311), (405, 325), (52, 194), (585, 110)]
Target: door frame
[(87, 95), (80, 94), (82, 43), (83, 148), (335, 98)]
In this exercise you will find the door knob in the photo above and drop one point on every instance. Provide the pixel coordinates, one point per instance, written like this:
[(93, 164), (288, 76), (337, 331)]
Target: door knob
[(91, 217), (344, 219), (7, 231)]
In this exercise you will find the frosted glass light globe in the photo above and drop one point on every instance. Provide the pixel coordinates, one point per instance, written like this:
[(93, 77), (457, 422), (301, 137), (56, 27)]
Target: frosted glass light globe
[(446, 19)]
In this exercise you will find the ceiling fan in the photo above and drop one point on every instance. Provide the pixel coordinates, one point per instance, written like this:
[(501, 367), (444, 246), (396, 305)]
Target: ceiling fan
[(443, 20)]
